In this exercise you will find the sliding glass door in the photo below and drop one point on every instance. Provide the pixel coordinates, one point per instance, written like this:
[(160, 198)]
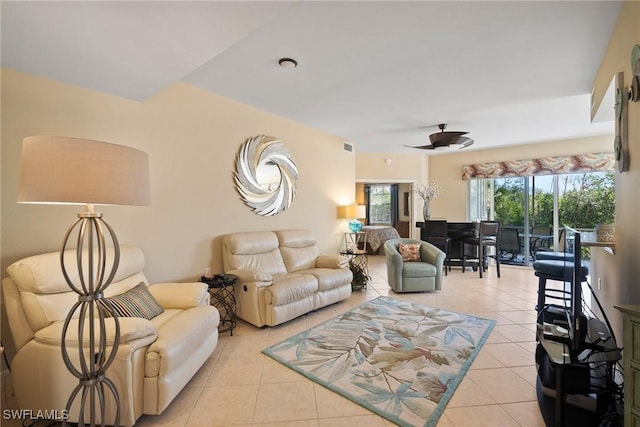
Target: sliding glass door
[(532, 209)]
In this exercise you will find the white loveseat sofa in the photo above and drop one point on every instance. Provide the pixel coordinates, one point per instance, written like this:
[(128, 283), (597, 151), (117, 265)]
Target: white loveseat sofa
[(282, 276), (155, 360)]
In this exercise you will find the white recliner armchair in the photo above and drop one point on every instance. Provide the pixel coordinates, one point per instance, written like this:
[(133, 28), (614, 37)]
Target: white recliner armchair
[(156, 358)]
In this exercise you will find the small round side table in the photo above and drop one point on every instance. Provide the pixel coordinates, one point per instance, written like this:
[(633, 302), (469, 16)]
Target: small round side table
[(223, 298)]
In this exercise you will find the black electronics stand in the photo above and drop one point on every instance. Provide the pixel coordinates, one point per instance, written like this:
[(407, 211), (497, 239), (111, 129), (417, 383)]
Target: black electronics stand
[(580, 385)]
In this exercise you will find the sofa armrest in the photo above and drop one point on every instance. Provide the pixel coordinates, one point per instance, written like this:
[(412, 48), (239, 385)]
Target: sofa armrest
[(260, 277), (332, 261), (132, 329), (431, 254), (180, 295), (394, 265)]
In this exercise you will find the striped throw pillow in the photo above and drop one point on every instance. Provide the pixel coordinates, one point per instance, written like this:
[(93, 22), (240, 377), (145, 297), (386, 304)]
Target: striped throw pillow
[(136, 302)]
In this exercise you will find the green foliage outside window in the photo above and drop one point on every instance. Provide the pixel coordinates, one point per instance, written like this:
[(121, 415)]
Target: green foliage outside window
[(380, 204), (584, 201)]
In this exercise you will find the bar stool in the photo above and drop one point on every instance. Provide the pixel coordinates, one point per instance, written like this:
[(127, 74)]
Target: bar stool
[(488, 235), (558, 270), (435, 232)]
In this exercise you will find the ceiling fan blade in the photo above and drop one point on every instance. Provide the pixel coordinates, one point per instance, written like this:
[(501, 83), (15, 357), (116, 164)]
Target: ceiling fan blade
[(445, 137), (461, 143), (422, 147), (465, 141)]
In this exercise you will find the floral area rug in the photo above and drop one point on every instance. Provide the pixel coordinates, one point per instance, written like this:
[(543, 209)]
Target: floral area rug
[(399, 359)]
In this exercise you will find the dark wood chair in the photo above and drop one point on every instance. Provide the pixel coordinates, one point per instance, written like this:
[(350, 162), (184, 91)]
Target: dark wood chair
[(435, 232), (488, 235)]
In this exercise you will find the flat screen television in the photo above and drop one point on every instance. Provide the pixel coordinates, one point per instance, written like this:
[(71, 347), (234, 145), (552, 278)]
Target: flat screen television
[(577, 321)]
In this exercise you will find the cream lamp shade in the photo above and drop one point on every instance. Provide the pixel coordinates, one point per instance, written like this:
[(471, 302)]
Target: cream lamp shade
[(355, 212), (360, 211), (61, 170), (352, 211)]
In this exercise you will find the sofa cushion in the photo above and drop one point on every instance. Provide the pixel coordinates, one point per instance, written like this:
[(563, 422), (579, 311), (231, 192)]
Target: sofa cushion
[(44, 293), (418, 269), (136, 302), (329, 278), (255, 250), (290, 288), (42, 274), (131, 329), (299, 249)]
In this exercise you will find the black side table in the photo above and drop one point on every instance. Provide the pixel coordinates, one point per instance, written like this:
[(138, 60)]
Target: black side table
[(359, 266), (223, 298)]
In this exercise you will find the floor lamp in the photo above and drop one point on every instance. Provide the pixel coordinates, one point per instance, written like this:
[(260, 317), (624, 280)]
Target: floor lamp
[(62, 170)]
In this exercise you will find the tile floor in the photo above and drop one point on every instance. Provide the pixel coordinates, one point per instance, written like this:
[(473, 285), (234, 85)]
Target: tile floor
[(239, 386)]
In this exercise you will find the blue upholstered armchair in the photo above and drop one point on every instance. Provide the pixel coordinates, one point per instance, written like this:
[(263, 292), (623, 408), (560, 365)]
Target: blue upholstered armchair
[(421, 275)]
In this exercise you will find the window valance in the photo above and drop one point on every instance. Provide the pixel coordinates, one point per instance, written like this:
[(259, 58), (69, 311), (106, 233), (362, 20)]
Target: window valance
[(598, 162)]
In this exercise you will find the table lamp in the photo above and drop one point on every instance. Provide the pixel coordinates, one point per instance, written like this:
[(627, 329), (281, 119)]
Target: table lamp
[(356, 212), (63, 170)]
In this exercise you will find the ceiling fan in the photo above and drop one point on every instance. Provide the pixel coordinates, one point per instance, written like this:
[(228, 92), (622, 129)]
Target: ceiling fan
[(446, 140)]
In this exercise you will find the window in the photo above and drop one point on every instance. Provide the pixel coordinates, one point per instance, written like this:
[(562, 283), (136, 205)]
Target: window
[(546, 202), (539, 196), (380, 204)]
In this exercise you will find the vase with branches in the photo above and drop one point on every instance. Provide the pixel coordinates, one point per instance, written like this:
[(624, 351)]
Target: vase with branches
[(427, 192)]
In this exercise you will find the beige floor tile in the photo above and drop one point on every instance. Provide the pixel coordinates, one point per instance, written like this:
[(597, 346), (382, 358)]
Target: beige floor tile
[(286, 402), (516, 333), (523, 304), (333, 405), (529, 346), (357, 421), (485, 360), (510, 354), (224, 406), (496, 337), (503, 385), (297, 423), (479, 416), (498, 317), (281, 332), (527, 373), (521, 316), (443, 421), (274, 372), (527, 413), (177, 413), (246, 343), (236, 371), (201, 377), (469, 393)]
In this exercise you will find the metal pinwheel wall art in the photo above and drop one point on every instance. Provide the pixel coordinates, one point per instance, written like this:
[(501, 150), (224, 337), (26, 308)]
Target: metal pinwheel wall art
[(265, 175)]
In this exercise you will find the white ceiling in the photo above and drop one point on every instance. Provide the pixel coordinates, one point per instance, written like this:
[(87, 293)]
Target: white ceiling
[(374, 73)]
